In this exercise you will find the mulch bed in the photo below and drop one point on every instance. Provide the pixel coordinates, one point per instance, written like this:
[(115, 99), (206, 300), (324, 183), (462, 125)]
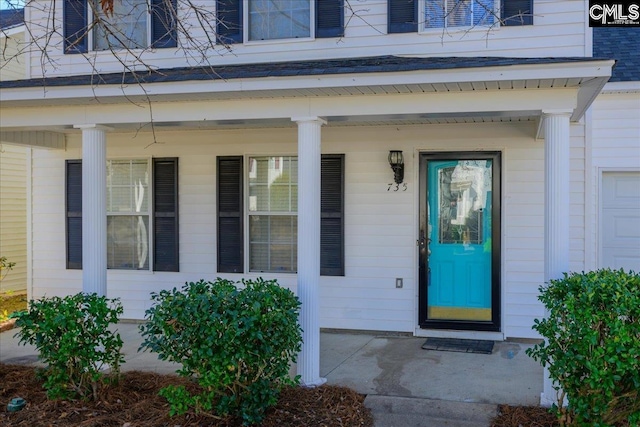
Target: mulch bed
[(524, 416), (134, 402), (530, 416)]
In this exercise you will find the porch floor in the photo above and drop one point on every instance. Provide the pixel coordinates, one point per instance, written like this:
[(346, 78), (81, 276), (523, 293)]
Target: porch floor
[(393, 371), (398, 366)]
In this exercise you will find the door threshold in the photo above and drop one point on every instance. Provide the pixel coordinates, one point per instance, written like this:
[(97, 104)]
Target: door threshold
[(451, 333)]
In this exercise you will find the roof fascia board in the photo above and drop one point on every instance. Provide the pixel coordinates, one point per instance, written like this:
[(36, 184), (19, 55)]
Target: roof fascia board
[(598, 68)]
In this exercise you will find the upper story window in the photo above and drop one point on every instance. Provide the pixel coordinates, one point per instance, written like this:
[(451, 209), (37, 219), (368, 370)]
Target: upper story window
[(251, 20), (279, 19), (126, 27), (457, 13), (134, 24), (406, 16)]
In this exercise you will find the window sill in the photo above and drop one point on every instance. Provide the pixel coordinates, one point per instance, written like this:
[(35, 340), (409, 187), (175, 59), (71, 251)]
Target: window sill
[(458, 30), (278, 41)]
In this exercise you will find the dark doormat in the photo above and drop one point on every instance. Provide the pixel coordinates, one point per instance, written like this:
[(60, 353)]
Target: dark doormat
[(461, 346)]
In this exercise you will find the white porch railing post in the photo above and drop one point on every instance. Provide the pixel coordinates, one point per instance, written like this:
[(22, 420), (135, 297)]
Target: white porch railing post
[(556, 217), (309, 159), (94, 209)]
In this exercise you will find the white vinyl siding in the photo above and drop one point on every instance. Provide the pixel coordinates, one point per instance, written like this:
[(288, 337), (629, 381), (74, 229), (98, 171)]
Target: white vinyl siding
[(13, 215), (12, 61), (559, 30), (616, 130)]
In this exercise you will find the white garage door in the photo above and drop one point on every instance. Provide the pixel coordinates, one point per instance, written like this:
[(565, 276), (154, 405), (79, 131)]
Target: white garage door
[(620, 215)]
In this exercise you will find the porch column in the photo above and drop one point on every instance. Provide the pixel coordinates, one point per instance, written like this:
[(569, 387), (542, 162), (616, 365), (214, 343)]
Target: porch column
[(309, 247), (556, 218), (94, 209)]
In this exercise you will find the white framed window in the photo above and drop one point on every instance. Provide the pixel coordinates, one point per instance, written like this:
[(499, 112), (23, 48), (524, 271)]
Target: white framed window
[(127, 27), (273, 214), (278, 19), (128, 214), (439, 14)]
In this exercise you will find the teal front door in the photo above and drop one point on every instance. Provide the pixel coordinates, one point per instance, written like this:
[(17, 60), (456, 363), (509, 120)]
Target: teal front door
[(459, 276)]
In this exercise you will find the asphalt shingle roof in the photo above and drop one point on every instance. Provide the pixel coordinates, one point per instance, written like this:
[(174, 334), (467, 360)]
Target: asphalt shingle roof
[(379, 64), (623, 45), (10, 18)]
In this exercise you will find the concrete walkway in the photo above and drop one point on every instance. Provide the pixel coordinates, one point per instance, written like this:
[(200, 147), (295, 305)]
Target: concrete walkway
[(405, 385), (410, 387)]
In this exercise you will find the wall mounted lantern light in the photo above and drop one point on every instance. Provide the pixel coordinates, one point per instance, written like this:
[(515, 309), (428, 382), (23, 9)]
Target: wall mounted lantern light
[(396, 161)]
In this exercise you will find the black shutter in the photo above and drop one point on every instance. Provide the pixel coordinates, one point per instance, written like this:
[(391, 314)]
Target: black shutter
[(73, 203), (230, 215), (229, 25), (165, 215), (516, 12), (164, 28), (329, 18), (332, 216), (402, 16), (75, 26)]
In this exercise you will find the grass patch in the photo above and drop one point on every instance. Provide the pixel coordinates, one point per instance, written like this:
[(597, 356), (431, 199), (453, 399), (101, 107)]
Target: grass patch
[(11, 303)]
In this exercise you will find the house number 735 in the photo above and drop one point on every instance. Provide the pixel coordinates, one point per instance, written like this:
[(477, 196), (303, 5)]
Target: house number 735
[(397, 187)]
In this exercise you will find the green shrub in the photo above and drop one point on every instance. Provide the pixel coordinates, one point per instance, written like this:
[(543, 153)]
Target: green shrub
[(592, 346), (73, 340), (237, 343)]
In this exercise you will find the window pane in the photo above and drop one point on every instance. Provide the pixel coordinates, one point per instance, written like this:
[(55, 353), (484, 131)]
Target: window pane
[(458, 13), (273, 184), (279, 19), (483, 12), (125, 28), (434, 13), (127, 186), (463, 196), (273, 243), (120, 199), (128, 242), (118, 172)]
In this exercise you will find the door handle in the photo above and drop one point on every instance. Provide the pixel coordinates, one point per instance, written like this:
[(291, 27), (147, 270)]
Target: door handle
[(423, 242)]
